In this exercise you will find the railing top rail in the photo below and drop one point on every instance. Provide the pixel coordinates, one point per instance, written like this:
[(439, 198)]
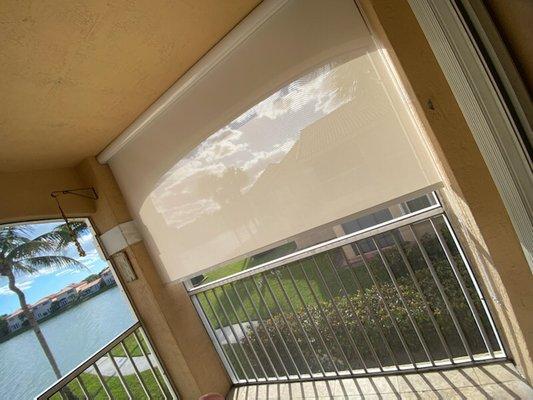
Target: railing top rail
[(324, 246), (55, 387)]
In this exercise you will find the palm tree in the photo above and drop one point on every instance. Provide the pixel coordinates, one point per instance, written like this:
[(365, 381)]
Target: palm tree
[(20, 255)]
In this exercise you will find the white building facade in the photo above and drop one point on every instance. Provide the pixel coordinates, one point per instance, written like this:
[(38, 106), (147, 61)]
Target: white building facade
[(15, 320), (66, 296), (42, 308)]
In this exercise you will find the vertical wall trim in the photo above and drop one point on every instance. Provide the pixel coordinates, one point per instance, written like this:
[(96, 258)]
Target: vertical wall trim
[(484, 110)]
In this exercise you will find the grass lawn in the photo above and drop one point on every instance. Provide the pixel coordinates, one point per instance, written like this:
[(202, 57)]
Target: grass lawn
[(132, 346), (96, 391), (241, 265), (226, 301), (226, 270)]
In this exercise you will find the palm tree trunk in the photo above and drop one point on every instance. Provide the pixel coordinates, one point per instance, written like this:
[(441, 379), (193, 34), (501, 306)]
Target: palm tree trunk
[(33, 323)]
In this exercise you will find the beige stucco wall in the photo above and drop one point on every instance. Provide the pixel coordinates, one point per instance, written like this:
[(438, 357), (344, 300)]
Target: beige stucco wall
[(472, 200), (26, 195)]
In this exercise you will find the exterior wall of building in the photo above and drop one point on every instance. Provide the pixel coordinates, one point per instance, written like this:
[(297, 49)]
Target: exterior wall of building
[(15, 322), (42, 309), (89, 288), (65, 297), (108, 277)]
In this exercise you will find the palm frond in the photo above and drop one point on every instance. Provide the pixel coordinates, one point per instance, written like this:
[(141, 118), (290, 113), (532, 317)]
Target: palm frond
[(33, 264), (19, 268), (16, 230), (60, 235), (29, 248), (10, 238)]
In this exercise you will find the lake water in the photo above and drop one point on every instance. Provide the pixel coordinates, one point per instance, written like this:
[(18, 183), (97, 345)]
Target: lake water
[(73, 336)]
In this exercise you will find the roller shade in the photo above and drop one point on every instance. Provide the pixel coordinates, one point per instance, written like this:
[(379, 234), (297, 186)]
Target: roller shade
[(298, 126)]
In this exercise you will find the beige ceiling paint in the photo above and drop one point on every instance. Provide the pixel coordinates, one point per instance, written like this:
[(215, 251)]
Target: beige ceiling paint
[(75, 74)]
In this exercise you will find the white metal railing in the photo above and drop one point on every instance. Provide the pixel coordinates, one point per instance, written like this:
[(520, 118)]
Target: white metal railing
[(127, 367), (394, 297)]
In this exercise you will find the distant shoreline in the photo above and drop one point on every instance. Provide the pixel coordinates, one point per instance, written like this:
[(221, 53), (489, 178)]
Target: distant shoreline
[(60, 311)]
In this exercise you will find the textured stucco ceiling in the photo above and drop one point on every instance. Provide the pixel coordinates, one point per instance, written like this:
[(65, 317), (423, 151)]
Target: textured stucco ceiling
[(75, 74)]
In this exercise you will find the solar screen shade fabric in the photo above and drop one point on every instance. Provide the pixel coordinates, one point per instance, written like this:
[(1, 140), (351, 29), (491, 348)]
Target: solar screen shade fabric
[(300, 125)]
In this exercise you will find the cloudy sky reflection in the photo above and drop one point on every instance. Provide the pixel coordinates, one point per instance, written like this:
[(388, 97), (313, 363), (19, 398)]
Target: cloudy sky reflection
[(230, 161)]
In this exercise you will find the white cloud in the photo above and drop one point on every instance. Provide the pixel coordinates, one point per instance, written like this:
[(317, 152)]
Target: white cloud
[(66, 272), (182, 215), (231, 160), (263, 158), (5, 291), (221, 150)]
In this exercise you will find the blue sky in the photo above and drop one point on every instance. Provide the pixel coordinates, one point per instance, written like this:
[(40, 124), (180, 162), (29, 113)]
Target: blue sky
[(49, 281)]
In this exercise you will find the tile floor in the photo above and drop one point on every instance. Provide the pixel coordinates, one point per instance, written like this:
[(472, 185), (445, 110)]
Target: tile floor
[(491, 381)]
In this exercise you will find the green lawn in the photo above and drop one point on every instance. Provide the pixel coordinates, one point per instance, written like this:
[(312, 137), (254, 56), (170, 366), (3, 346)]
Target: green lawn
[(132, 346), (241, 265), (96, 391), (93, 386), (226, 301), (226, 270)]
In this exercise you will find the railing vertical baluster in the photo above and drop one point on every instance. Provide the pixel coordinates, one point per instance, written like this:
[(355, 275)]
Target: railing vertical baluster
[(244, 333), (164, 376), (237, 341), (360, 289), (474, 282), (464, 289), (245, 376), (313, 350), (120, 376), (83, 388), (443, 294), (284, 318), (402, 300), (102, 381), (357, 319), (150, 364), (337, 311), (226, 360), (424, 299), (324, 315), (259, 341), (393, 321), (262, 323), (297, 318), (135, 370)]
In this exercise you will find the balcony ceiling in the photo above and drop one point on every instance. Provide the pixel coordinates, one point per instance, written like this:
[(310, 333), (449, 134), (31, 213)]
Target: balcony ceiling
[(75, 74)]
